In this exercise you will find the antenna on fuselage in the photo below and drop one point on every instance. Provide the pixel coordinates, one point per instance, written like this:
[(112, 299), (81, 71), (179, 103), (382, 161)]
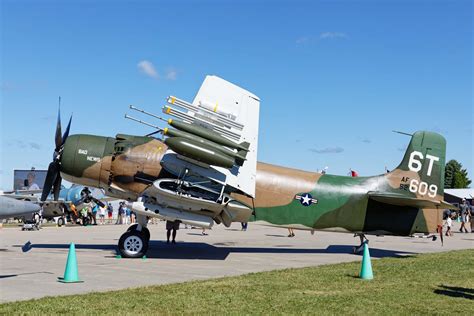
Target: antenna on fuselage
[(403, 133)]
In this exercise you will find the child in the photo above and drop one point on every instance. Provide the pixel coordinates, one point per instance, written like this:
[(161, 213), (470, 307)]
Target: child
[(449, 224)]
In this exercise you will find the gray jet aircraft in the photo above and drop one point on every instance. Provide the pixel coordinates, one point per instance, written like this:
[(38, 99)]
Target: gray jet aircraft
[(10, 207)]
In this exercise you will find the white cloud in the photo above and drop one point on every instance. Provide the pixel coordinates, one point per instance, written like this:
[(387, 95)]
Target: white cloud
[(148, 69), (302, 40), (171, 74), (23, 145), (332, 35), (35, 145), (327, 150)]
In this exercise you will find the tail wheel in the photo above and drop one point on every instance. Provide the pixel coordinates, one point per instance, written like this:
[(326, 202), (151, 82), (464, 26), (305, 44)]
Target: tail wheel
[(133, 244), (145, 231)]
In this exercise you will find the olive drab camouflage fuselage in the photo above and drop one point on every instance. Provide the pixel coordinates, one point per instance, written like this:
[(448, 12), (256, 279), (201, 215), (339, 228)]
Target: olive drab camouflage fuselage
[(404, 201)]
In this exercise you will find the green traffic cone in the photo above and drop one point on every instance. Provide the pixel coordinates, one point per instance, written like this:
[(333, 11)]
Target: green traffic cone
[(366, 269), (71, 274)]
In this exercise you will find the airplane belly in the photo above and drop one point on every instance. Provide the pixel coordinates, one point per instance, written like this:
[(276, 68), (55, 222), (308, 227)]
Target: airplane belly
[(169, 214)]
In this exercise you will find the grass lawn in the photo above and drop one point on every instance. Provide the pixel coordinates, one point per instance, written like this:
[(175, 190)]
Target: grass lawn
[(441, 283)]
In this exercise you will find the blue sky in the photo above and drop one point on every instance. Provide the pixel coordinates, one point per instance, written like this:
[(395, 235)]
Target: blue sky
[(335, 77)]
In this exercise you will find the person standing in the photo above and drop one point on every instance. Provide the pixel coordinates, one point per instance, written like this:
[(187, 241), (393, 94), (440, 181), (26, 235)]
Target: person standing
[(449, 224), (171, 227), (95, 209), (244, 225), (291, 232), (110, 212), (133, 217), (464, 209), (120, 214), (102, 211), (84, 215), (471, 218), (127, 216)]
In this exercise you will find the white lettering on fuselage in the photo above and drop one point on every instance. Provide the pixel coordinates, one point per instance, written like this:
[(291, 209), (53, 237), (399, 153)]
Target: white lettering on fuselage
[(82, 151), (95, 159), (416, 165)]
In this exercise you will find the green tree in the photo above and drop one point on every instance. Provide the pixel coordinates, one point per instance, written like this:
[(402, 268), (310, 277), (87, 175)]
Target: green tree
[(455, 177)]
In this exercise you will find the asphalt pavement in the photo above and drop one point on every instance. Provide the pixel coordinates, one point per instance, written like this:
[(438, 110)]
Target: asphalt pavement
[(31, 261)]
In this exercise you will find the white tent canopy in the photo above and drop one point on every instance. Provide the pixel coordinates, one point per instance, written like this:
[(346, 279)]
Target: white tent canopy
[(460, 193)]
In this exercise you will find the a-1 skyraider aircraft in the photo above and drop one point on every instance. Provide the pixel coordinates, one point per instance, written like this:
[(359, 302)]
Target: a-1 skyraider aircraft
[(205, 171)]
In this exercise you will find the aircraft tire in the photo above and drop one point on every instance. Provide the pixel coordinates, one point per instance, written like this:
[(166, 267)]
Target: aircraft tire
[(132, 244), (145, 231), (60, 222)]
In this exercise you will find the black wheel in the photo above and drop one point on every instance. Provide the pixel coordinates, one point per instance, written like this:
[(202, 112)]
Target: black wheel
[(132, 244), (145, 231), (85, 221), (60, 221)]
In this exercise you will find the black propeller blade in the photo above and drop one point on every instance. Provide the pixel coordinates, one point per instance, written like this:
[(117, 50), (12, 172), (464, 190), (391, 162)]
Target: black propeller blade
[(53, 177), (66, 132), (98, 202), (86, 197), (57, 137), (53, 170), (57, 187)]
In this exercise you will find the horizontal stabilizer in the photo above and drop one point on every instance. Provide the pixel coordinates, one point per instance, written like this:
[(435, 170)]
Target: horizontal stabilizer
[(402, 200)]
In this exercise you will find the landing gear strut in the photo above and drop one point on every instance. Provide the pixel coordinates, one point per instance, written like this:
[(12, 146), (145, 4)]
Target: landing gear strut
[(363, 241), (134, 242)]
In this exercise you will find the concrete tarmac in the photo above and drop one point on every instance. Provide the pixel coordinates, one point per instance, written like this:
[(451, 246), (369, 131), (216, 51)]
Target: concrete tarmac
[(30, 262)]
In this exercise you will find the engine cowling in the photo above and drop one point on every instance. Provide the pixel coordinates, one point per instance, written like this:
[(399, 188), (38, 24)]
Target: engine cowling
[(123, 166)]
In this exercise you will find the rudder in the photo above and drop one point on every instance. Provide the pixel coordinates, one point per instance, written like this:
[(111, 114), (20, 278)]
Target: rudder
[(426, 155)]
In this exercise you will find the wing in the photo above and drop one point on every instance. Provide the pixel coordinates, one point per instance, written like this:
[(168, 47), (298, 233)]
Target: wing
[(402, 200), (217, 133), (24, 197)]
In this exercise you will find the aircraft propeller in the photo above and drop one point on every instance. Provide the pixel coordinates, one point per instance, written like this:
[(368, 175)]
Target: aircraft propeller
[(53, 177), (86, 197)]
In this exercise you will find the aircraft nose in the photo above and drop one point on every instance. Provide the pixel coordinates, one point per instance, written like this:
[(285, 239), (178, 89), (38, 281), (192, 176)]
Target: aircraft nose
[(81, 159)]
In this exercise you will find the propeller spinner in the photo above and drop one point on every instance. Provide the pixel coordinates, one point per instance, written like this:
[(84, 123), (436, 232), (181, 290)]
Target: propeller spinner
[(53, 177)]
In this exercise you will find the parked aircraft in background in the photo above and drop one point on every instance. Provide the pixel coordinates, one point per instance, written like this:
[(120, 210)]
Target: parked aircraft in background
[(11, 207), (76, 195)]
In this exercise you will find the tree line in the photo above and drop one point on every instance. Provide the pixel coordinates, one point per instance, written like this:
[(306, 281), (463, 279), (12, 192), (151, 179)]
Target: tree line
[(455, 177)]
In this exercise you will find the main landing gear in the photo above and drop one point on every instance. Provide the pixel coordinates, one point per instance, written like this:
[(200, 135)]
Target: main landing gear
[(134, 242), (363, 241)]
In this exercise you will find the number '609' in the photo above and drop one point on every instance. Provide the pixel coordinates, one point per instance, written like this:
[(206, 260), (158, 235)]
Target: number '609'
[(423, 188)]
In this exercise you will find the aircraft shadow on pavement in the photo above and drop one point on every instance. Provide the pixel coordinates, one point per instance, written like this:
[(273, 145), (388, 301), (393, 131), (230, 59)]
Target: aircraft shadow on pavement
[(272, 235), (205, 251), (6, 276), (455, 291)]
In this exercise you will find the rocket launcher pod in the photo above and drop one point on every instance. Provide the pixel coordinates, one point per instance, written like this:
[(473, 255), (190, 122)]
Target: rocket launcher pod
[(238, 156), (207, 134), (200, 152)]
